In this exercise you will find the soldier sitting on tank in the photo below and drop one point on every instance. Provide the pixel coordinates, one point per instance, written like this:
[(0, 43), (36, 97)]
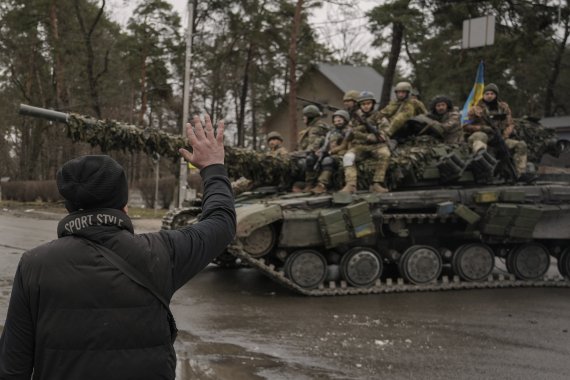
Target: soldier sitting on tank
[(310, 140), (335, 146), (366, 140), (444, 121), (350, 101), (393, 117), (275, 145), (489, 117)]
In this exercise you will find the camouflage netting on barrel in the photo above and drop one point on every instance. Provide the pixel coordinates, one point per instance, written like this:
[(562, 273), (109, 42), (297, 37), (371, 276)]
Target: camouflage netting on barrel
[(111, 135), (262, 169)]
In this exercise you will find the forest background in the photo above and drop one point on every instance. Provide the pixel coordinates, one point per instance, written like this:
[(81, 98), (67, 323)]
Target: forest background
[(74, 56)]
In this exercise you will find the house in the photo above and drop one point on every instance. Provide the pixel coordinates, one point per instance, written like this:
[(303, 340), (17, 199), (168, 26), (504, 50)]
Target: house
[(324, 83)]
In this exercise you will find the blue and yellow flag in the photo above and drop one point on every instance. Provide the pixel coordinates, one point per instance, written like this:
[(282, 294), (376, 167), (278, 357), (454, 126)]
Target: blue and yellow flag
[(476, 92)]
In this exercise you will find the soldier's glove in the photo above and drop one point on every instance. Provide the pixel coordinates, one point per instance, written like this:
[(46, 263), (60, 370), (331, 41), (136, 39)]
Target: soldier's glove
[(371, 138)]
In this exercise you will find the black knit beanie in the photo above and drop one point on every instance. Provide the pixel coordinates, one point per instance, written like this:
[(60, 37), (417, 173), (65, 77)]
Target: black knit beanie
[(89, 182)]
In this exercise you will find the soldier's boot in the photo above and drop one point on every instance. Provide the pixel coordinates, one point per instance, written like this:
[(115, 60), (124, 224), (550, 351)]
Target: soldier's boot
[(380, 175), (378, 188), (350, 178), (319, 189), (310, 179)]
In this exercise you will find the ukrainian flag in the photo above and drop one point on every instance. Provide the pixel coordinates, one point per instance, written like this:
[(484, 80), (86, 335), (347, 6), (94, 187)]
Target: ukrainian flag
[(476, 92)]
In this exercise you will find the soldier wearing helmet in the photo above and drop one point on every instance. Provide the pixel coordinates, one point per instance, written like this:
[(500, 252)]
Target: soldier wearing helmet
[(275, 145), (350, 101), (336, 143), (444, 120), (310, 141), (397, 112), (366, 140), (482, 119)]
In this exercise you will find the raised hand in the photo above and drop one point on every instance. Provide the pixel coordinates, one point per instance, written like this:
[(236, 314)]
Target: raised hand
[(207, 145)]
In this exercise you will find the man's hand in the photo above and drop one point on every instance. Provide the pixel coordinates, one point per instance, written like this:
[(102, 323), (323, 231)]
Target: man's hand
[(372, 138), (207, 149)]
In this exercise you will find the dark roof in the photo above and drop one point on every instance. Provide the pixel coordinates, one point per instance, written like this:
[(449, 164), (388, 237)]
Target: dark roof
[(555, 121), (359, 78)]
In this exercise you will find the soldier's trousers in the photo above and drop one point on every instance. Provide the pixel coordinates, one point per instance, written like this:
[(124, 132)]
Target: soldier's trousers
[(380, 152), (518, 149)]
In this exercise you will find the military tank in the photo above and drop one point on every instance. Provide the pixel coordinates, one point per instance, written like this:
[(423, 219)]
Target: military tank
[(445, 225)]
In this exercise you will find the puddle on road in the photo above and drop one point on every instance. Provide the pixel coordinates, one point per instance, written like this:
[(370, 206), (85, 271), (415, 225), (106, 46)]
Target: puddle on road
[(198, 359)]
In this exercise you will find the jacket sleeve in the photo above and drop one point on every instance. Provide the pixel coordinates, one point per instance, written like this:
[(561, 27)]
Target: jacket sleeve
[(17, 341), (193, 247)]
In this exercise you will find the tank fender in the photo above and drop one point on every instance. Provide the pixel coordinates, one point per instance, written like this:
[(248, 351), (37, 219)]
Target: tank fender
[(252, 217)]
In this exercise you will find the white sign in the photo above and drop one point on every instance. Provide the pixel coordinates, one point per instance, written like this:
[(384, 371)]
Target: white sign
[(478, 32)]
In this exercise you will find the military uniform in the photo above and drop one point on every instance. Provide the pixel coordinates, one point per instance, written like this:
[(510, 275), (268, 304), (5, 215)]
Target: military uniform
[(362, 145), (481, 115), (310, 140), (448, 125), (394, 115), (336, 146)]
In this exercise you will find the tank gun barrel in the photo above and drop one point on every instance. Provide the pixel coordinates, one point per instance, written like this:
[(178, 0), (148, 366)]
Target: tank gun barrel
[(111, 134), (43, 113)]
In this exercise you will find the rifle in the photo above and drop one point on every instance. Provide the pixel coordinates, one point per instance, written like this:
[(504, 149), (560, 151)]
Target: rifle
[(374, 130), (504, 153), (320, 105), (324, 150)]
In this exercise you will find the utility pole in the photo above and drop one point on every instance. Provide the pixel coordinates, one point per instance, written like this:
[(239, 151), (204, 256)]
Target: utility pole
[(185, 110)]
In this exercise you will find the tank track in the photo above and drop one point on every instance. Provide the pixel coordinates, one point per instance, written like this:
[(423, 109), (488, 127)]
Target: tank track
[(341, 288), (174, 217)]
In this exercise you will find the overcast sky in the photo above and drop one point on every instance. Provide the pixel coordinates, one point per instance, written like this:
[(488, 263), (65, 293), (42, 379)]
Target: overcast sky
[(341, 28)]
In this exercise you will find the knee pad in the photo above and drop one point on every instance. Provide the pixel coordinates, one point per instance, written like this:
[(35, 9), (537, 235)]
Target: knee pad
[(348, 159), (310, 161), (327, 163)]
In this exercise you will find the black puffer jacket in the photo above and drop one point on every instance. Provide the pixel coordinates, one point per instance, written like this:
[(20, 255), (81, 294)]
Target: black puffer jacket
[(73, 315)]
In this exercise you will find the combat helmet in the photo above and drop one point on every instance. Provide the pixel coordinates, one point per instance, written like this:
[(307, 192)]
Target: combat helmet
[(274, 135), (366, 95), (343, 114), (403, 86), (351, 95), (311, 111)]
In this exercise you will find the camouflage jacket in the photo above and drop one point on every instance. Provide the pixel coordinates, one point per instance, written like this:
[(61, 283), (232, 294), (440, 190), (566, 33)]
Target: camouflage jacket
[(279, 151), (313, 137), (481, 115), (450, 124), (360, 133), (397, 113), (338, 139)]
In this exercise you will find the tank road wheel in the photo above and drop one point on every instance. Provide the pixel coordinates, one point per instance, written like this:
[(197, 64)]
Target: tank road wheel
[(564, 263), (529, 261), (260, 242), (361, 266), (473, 262), (420, 264), (306, 268)]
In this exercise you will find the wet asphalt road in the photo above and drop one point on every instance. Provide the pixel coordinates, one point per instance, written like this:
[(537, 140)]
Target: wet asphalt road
[(237, 324)]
